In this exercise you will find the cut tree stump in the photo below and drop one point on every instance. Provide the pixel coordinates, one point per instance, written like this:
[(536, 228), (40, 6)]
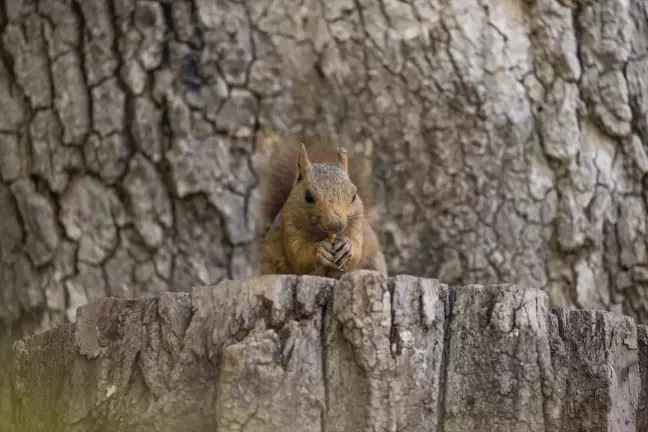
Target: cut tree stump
[(366, 353)]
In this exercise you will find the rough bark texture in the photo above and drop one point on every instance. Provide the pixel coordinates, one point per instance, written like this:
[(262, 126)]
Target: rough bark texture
[(367, 353), (508, 139), (642, 421)]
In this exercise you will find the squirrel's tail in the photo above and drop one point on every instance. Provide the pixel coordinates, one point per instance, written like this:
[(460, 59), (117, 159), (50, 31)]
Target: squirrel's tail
[(278, 170)]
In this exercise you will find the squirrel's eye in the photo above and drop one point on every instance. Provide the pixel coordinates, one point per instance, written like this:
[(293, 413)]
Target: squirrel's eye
[(355, 195), (310, 198)]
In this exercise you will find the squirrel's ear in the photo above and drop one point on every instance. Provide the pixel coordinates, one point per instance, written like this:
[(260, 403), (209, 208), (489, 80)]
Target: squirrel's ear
[(303, 164), (343, 159)]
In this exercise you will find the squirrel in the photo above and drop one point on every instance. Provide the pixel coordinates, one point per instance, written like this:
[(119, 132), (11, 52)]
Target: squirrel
[(317, 213)]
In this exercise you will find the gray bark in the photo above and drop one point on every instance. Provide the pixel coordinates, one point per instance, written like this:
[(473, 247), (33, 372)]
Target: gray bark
[(508, 141), (367, 353)]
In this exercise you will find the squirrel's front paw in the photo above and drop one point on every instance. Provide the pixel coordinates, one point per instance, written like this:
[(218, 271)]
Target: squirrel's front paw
[(343, 252), (326, 254), (337, 255)]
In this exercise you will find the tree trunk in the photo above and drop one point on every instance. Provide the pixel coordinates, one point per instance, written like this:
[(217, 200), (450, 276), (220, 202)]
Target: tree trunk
[(508, 141), (281, 353)]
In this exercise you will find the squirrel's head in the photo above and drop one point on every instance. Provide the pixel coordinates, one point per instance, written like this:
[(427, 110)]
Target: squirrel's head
[(324, 196)]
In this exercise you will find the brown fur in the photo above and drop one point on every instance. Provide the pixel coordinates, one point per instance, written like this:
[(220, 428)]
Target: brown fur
[(296, 228), (277, 174)]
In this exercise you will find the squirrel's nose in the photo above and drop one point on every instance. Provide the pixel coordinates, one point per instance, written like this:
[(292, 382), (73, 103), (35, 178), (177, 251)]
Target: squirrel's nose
[(335, 224)]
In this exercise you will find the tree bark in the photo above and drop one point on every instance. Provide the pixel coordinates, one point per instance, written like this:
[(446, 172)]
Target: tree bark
[(508, 141), (367, 353)]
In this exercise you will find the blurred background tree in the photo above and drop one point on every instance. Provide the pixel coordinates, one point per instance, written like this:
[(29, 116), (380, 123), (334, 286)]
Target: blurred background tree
[(506, 140)]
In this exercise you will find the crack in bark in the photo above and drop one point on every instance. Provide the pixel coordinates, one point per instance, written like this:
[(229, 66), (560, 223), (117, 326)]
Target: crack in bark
[(445, 358)]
